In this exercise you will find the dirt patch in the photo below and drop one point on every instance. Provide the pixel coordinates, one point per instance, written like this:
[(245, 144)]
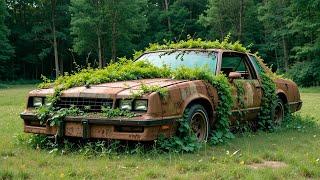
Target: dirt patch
[(268, 164)]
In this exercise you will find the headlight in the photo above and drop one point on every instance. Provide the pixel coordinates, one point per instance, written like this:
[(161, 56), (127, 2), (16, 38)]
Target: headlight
[(126, 105), (47, 102), (37, 101), (140, 105)]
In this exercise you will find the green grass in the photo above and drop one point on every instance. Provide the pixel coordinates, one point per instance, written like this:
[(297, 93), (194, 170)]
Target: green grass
[(299, 148)]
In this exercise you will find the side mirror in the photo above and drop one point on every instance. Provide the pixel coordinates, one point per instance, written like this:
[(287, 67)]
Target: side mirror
[(234, 75)]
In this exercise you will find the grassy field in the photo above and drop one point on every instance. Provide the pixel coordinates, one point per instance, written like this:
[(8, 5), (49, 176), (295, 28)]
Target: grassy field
[(298, 148)]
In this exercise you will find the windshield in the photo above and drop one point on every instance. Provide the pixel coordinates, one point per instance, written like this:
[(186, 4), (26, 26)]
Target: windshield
[(177, 59)]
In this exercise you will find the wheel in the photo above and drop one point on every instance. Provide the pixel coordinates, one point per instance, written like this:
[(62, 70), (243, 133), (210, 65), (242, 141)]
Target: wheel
[(199, 121), (279, 112)]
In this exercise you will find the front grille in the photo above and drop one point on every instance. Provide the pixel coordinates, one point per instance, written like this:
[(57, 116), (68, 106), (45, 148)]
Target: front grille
[(85, 104)]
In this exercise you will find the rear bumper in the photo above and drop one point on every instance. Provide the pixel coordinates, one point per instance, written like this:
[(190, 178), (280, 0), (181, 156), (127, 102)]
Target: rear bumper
[(103, 128)]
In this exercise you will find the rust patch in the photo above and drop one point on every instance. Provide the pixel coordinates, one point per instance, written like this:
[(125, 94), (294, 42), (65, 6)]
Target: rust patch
[(248, 94)]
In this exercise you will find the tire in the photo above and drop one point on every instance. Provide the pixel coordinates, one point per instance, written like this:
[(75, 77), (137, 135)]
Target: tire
[(279, 112), (198, 119)]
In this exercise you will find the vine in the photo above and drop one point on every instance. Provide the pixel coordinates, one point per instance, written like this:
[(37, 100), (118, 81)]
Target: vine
[(109, 112), (268, 100), (184, 141), (199, 43), (242, 125), (145, 89)]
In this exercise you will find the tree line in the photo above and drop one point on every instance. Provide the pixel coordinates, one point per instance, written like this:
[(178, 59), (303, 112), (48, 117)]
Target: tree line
[(51, 37)]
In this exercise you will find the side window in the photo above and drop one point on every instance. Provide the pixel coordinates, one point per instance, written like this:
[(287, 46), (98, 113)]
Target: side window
[(233, 62), (256, 64)]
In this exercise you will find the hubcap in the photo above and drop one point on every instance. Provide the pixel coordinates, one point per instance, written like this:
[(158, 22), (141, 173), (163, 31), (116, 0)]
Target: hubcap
[(279, 113), (198, 125)]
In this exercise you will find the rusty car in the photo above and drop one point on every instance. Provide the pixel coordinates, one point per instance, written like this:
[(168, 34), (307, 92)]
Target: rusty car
[(159, 115)]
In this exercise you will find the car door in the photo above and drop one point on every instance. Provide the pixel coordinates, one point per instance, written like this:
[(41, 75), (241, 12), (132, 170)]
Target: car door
[(246, 89)]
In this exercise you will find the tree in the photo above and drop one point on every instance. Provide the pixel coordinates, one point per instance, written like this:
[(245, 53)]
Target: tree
[(6, 50), (226, 16), (88, 22), (274, 16), (304, 26), (106, 24)]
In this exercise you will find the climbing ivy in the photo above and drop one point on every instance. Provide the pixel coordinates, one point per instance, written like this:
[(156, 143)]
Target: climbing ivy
[(268, 102), (241, 124), (184, 140)]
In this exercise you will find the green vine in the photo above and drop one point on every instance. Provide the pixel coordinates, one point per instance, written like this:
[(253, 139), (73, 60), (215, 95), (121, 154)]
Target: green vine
[(109, 112), (184, 140), (241, 124), (269, 98), (200, 44), (145, 89), (55, 116)]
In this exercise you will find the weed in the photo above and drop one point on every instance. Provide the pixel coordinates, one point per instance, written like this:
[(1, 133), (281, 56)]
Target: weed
[(109, 112)]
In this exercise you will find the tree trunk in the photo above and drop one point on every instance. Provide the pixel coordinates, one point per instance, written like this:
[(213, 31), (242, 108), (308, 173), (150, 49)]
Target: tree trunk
[(277, 59), (166, 3), (100, 51), (61, 65), (55, 44), (285, 54), (240, 20), (113, 41)]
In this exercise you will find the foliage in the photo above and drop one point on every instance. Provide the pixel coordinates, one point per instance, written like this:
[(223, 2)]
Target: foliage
[(305, 73), (269, 98), (109, 112), (114, 25), (56, 116), (145, 89), (241, 125), (184, 141), (228, 16), (199, 43), (6, 50)]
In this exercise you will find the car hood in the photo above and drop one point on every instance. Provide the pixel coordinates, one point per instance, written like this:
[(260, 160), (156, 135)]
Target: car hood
[(121, 89)]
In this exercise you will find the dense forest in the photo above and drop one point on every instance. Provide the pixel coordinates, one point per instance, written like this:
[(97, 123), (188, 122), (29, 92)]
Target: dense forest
[(51, 37)]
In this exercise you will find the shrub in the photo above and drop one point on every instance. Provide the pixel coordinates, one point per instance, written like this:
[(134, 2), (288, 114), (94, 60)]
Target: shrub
[(305, 73)]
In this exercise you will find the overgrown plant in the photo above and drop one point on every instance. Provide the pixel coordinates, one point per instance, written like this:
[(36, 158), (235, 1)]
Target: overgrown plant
[(55, 116), (109, 112), (268, 103), (184, 140), (199, 43), (242, 125), (145, 89)]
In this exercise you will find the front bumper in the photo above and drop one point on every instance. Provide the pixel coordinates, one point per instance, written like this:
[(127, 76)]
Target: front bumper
[(103, 128)]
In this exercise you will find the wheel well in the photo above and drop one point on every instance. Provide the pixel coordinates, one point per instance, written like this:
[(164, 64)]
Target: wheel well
[(207, 106), (282, 97)]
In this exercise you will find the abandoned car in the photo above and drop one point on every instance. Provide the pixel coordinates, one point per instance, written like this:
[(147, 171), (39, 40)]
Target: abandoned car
[(156, 115)]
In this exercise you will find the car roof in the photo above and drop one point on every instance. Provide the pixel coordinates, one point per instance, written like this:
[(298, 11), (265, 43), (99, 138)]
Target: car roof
[(196, 49)]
